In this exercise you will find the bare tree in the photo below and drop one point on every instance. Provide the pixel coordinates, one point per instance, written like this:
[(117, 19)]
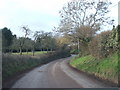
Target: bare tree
[(27, 32), (81, 19), (36, 35), (84, 12)]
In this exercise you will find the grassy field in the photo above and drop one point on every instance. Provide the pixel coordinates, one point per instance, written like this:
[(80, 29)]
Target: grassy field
[(106, 68), (30, 53)]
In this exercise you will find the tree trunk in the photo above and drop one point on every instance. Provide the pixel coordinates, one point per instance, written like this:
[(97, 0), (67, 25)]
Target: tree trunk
[(33, 52), (20, 50), (78, 47), (27, 51)]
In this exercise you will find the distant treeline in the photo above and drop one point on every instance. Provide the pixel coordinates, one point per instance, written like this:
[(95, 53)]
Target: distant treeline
[(41, 41)]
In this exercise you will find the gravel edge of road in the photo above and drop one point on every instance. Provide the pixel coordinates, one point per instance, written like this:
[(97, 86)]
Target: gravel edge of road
[(105, 81)]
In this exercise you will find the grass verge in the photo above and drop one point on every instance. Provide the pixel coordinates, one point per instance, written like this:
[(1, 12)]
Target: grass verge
[(106, 68)]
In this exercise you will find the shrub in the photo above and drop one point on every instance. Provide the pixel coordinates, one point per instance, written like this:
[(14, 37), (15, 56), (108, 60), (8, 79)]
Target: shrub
[(105, 44), (98, 46)]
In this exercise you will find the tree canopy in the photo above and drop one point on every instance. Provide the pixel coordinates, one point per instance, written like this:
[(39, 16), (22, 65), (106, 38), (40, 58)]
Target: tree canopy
[(7, 38)]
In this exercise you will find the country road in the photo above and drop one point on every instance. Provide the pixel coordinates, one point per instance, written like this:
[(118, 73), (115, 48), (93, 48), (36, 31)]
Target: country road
[(57, 74)]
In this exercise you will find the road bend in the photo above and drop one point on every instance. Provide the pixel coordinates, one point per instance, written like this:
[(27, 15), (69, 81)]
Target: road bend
[(57, 74)]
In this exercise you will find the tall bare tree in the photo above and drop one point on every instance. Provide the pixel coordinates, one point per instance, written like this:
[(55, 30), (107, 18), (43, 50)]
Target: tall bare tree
[(81, 19), (84, 12)]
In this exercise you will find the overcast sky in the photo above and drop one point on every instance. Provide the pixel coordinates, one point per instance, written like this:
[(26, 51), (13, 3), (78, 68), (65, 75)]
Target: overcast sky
[(37, 14)]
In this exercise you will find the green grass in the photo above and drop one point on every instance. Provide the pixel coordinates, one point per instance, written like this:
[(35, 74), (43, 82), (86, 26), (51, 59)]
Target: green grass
[(30, 53), (106, 68)]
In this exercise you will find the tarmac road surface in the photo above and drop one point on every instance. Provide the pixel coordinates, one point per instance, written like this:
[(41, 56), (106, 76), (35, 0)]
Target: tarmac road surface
[(57, 74)]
